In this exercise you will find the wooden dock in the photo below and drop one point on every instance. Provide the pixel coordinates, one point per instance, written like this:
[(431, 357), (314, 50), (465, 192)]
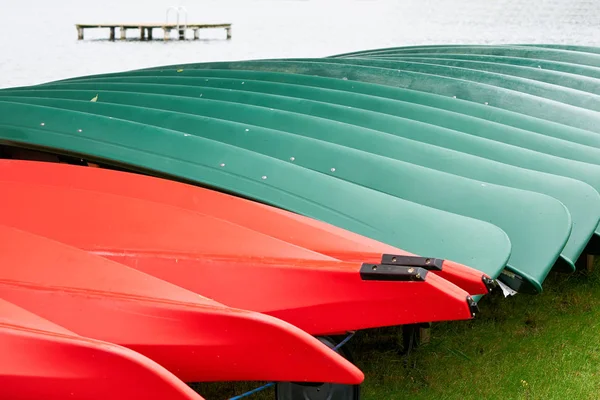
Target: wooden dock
[(146, 29)]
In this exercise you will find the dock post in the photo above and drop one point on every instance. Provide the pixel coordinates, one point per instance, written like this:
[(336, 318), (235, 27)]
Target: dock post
[(167, 33), (142, 33), (181, 34), (123, 32), (228, 29), (196, 33), (79, 32), (150, 33), (112, 33)]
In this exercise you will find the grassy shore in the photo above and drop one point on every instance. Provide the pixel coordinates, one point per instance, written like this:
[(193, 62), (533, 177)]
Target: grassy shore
[(524, 347)]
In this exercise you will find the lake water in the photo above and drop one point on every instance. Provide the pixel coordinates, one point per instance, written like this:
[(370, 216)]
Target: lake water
[(39, 40)]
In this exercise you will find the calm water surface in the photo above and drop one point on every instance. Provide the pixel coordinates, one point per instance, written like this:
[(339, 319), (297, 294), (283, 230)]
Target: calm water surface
[(39, 40)]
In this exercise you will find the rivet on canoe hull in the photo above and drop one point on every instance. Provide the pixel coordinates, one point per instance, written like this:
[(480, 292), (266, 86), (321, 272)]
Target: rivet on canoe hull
[(222, 164), (332, 169), (247, 130), (79, 130), (264, 177), (486, 103), (453, 97), (42, 124), (292, 158)]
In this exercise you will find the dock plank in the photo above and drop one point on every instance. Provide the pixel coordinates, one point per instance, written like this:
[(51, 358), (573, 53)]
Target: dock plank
[(146, 29)]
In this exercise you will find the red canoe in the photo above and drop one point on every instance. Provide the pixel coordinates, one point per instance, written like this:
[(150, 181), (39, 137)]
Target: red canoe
[(293, 228), (234, 265), (195, 338), (41, 360)]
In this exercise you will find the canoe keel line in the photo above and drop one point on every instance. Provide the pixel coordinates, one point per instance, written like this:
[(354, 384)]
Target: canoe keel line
[(243, 220)]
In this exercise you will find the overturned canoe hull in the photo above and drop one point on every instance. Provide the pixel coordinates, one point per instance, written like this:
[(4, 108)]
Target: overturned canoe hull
[(295, 229), (204, 255), (195, 338), (42, 360)]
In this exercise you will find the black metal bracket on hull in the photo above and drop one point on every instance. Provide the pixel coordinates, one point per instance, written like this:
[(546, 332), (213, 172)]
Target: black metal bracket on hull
[(430, 264), (473, 306), (383, 272), (490, 284), (516, 282)]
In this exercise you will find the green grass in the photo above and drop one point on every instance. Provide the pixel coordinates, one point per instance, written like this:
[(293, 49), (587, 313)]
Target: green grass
[(524, 347)]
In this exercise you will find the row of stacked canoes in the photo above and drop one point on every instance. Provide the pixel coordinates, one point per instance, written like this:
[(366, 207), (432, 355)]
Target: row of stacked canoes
[(288, 201)]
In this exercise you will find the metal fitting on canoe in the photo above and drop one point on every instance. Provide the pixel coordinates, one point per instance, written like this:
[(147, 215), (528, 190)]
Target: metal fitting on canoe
[(430, 264), (473, 306), (384, 272), (489, 283)]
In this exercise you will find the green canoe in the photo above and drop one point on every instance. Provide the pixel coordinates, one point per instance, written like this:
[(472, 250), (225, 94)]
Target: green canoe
[(539, 74), (533, 63), (534, 223), (583, 49), (549, 53)]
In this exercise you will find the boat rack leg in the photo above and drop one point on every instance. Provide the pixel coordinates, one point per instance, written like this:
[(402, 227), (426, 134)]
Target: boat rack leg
[(586, 262), (413, 335), (268, 385), (258, 389), (590, 262)]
